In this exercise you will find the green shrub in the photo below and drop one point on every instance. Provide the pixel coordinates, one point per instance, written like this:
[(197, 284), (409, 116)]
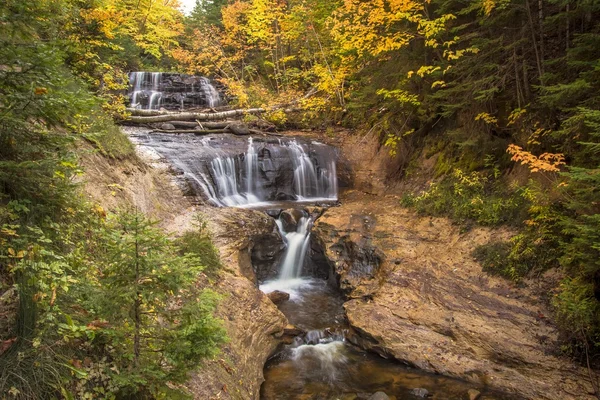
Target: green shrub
[(468, 198), (198, 243)]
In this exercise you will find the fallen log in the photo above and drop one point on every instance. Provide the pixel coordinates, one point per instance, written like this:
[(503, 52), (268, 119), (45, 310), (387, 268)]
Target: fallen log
[(199, 132), (200, 125), (194, 131), (189, 116)]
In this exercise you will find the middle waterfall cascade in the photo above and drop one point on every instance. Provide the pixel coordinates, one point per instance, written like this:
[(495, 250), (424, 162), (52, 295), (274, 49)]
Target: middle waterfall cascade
[(229, 171), (297, 245), (238, 184)]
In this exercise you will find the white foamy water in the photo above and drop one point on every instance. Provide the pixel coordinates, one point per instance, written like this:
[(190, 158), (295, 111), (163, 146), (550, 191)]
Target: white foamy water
[(294, 286)]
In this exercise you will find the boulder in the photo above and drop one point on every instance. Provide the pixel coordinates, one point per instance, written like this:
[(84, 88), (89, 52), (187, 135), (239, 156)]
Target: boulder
[(167, 127), (290, 218), (420, 392), (474, 394), (293, 330), (379, 396), (239, 129), (278, 297)]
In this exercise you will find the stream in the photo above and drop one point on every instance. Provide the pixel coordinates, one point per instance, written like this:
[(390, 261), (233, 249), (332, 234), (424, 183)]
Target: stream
[(319, 362)]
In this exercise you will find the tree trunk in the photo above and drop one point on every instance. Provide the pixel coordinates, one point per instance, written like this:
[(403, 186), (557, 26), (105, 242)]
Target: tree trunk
[(190, 116), (535, 44)]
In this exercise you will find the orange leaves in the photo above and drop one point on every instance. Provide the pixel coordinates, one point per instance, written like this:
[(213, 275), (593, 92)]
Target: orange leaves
[(546, 162)]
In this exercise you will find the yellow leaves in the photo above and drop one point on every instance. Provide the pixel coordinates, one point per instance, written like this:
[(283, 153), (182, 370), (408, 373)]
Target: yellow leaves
[(401, 96), (546, 162), (516, 115), (438, 84), (9, 232), (487, 118), (427, 70), (99, 211), (487, 6), (12, 253), (373, 27)]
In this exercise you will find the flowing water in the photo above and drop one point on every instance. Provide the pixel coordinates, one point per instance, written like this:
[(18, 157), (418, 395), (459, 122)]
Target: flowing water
[(320, 363), (229, 171), (153, 90)]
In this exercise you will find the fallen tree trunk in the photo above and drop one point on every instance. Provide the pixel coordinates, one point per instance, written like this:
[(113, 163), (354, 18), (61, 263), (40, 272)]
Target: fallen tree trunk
[(189, 116), (210, 131), (194, 131), (200, 125)]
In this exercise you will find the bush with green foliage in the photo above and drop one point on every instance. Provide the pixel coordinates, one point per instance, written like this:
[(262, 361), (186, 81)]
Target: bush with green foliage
[(469, 197), (198, 243)]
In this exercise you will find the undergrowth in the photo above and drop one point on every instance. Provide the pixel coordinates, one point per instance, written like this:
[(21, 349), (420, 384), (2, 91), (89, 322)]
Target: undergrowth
[(468, 198)]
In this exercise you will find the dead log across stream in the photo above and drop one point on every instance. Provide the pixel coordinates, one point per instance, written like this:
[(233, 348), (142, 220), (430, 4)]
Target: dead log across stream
[(202, 125), (190, 116), (236, 130)]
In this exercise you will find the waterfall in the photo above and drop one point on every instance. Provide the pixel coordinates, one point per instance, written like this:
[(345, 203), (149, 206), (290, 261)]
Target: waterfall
[(240, 181), (233, 171), (251, 168), (154, 90), (295, 252), (211, 94)]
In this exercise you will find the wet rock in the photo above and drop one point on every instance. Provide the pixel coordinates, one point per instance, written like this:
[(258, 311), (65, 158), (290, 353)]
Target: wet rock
[(290, 334), (205, 160), (474, 394), (282, 196), (379, 396), (239, 129), (167, 127), (274, 213), (420, 392), (278, 297), (290, 218), (266, 252), (177, 90), (292, 330)]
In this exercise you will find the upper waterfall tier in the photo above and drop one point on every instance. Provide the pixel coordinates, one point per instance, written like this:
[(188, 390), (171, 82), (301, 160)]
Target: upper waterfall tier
[(154, 90), (232, 171)]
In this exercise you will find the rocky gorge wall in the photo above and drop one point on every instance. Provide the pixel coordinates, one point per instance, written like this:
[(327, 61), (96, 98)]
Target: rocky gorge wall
[(415, 294)]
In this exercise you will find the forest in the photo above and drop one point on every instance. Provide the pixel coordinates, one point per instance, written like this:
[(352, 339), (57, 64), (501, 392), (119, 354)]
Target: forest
[(504, 94)]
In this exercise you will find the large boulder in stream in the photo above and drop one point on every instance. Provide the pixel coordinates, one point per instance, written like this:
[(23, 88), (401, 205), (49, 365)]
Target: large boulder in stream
[(254, 324), (417, 295), (290, 218), (278, 297)]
